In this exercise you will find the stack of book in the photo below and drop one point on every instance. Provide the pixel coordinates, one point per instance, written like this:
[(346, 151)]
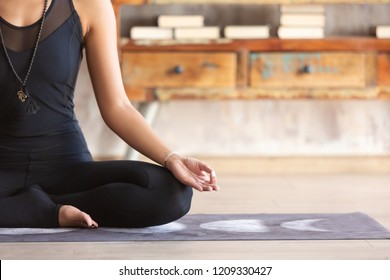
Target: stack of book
[(180, 27), (247, 32), (188, 27), (383, 31), (302, 22), (150, 33)]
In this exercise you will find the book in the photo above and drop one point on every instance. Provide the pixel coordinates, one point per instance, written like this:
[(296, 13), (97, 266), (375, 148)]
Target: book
[(247, 32), (172, 21), (292, 32), (383, 31), (302, 20), (151, 33), (316, 9), (209, 32)]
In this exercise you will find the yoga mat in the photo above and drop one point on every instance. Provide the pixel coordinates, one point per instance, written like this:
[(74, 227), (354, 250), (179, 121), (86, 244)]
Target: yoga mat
[(219, 227)]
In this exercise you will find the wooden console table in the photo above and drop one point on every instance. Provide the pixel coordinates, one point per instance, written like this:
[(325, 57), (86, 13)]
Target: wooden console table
[(354, 67), (346, 67), (331, 68)]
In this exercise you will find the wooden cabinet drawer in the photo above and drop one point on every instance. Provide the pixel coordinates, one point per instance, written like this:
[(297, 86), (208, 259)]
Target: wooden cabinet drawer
[(179, 69), (383, 69), (310, 70)]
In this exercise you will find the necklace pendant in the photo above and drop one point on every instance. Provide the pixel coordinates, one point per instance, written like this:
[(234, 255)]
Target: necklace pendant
[(22, 95)]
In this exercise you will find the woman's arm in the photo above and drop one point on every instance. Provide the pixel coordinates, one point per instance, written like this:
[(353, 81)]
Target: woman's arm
[(99, 28), (101, 50)]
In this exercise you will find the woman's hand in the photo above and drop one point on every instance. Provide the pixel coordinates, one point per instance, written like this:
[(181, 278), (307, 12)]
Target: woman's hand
[(193, 173)]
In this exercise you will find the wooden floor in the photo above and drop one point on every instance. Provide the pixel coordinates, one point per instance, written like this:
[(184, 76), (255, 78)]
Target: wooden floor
[(326, 193)]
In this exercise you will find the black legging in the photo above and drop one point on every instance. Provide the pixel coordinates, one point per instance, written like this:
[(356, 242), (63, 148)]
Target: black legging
[(114, 193)]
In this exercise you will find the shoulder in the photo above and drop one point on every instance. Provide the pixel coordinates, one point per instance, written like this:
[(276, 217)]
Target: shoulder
[(94, 13)]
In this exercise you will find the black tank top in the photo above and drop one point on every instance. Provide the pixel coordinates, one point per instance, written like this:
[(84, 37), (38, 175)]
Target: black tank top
[(53, 75)]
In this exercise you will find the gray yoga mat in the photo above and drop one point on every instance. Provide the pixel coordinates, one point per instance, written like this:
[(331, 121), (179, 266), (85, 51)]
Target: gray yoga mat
[(219, 227)]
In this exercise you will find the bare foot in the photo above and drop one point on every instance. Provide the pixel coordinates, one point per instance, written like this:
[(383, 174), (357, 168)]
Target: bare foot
[(70, 216)]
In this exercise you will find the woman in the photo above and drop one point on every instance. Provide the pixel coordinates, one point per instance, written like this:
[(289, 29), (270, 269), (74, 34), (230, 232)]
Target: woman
[(47, 175)]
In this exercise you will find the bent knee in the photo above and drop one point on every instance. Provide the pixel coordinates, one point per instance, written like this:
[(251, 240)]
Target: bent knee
[(170, 207), (177, 203)]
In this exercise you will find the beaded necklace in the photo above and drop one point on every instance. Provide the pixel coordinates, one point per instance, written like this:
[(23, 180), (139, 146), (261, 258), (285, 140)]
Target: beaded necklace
[(23, 94)]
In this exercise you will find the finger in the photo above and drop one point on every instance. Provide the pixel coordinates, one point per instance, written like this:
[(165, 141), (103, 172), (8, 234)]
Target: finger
[(213, 178), (206, 186), (211, 181), (195, 184), (215, 187), (205, 167), (210, 187), (208, 175), (204, 178)]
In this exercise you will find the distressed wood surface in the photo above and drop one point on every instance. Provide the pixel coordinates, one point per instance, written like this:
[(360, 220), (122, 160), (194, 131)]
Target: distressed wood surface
[(384, 69), (243, 69), (196, 93), (358, 64), (272, 44), (308, 70), (179, 69), (258, 93)]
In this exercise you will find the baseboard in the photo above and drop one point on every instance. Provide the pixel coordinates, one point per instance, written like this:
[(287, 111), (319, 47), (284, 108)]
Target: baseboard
[(299, 165), (294, 165)]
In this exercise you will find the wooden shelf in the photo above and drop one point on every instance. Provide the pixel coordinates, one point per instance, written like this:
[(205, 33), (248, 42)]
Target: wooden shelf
[(331, 68), (272, 44)]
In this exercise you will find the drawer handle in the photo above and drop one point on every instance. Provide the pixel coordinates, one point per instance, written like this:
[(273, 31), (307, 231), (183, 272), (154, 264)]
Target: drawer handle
[(178, 69), (306, 69)]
